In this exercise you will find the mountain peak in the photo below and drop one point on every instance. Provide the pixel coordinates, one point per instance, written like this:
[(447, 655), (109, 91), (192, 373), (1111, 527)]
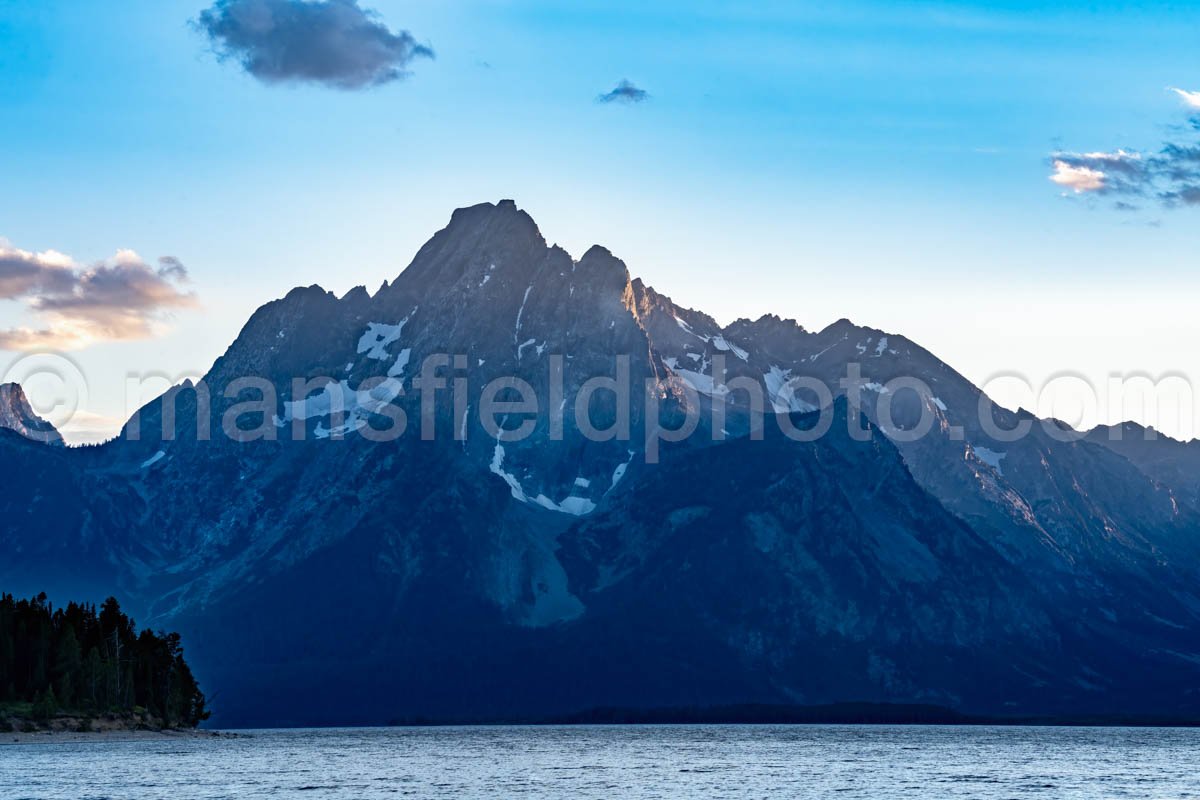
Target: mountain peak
[(601, 269), (482, 216), (16, 414), (476, 235)]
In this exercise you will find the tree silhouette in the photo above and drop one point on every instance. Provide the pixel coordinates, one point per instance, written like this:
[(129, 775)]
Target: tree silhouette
[(80, 660)]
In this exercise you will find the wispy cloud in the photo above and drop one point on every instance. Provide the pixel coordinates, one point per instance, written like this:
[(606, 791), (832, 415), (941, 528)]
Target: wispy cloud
[(625, 92), (1120, 171), (121, 298), (1190, 99), (334, 43), (1169, 176)]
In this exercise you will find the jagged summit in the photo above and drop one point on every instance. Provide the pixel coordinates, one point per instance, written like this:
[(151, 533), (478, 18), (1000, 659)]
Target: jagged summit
[(876, 568), (357, 294), (16, 414), (486, 229), (504, 211)]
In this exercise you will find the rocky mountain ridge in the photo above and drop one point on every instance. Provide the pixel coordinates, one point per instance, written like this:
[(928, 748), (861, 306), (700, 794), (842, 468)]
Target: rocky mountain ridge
[(933, 556), (16, 414)]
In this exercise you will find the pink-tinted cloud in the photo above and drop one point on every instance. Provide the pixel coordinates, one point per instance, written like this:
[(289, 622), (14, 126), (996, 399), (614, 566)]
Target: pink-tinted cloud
[(119, 299), (1169, 176)]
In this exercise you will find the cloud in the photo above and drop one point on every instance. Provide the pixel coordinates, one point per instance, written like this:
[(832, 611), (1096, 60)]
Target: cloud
[(1169, 176), (334, 43), (625, 92), (22, 272), (1081, 179), (1121, 172), (1190, 99), (172, 267), (1185, 196), (119, 299), (26, 339)]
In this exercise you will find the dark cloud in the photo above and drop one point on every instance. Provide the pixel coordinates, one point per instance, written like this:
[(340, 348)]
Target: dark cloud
[(1169, 176), (172, 267), (22, 273), (625, 92), (334, 43), (122, 298), (1185, 196)]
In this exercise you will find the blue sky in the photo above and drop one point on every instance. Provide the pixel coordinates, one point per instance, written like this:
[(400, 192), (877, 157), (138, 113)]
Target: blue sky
[(886, 162)]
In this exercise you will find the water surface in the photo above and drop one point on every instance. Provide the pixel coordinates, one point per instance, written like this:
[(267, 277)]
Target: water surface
[(875, 762)]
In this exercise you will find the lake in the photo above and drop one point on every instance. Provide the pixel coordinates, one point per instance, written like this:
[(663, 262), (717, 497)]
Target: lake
[(620, 762)]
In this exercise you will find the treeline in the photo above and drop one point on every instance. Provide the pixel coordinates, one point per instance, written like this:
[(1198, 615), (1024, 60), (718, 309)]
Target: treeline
[(82, 660)]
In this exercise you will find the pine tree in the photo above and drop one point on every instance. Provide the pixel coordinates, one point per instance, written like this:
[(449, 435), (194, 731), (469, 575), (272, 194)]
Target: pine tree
[(41, 662), (68, 667), (93, 675), (45, 706)]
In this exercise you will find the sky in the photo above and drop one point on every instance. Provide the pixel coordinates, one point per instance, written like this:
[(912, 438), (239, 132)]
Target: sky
[(995, 181)]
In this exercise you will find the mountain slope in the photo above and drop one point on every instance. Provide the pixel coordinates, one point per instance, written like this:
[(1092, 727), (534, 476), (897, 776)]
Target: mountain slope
[(17, 415), (465, 569), (1172, 463)]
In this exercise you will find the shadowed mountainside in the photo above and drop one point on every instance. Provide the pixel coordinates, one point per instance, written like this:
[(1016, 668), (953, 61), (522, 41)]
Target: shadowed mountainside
[(360, 580)]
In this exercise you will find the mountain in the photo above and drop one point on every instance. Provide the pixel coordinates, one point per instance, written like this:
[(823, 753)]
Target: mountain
[(849, 519), (52, 530), (17, 415), (1172, 463)]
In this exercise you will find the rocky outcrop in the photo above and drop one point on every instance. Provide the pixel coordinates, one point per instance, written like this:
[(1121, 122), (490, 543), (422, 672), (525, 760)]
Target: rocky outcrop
[(17, 415)]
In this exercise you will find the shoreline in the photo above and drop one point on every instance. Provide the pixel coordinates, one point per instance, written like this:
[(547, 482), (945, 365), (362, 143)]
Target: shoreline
[(115, 735)]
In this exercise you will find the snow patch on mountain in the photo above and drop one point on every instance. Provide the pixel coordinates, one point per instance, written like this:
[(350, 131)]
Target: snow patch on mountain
[(815, 356), (990, 457), (620, 471), (723, 344), (573, 505), (782, 394), (688, 329), (521, 313), (717, 341), (487, 276), (377, 338), (353, 406), (401, 363), (497, 468), (704, 384), (154, 459)]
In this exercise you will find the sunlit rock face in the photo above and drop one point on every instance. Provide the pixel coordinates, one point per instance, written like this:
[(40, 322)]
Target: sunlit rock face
[(16, 414), (469, 573)]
